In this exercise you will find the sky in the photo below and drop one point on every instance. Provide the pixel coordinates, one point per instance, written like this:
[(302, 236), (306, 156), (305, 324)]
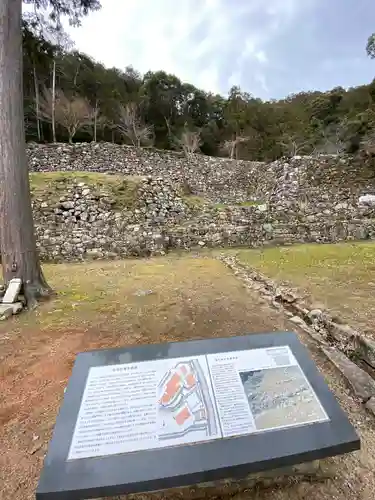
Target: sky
[(270, 48)]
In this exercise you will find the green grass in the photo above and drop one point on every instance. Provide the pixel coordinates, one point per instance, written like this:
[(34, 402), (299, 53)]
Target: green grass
[(123, 189), (339, 276), (251, 203)]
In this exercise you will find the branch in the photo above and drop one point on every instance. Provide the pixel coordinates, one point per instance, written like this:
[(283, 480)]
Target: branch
[(131, 125), (190, 141)]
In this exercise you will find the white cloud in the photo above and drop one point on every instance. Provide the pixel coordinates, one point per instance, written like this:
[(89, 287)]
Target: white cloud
[(206, 42), (261, 56)]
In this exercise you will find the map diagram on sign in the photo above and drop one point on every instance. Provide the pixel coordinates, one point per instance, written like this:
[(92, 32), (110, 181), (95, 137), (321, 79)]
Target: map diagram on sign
[(185, 404)]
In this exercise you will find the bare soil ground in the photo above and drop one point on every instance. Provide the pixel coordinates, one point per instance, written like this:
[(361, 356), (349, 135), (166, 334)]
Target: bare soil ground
[(128, 303)]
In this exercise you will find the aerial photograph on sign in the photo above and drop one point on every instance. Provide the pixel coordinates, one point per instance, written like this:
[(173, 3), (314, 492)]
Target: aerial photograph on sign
[(281, 397), (185, 403)]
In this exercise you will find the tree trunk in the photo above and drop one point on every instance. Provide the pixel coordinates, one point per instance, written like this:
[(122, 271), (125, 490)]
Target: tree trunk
[(76, 75), (95, 119), (53, 100), (19, 256), (36, 88)]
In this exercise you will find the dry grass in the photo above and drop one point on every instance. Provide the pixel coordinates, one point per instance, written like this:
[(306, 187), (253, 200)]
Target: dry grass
[(110, 295), (109, 304), (51, 185), (341, 277), (104, 304)]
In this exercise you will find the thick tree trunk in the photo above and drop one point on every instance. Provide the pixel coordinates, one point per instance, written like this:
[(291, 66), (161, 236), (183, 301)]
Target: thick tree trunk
[(36, 88), (53, 100), (19, 256)]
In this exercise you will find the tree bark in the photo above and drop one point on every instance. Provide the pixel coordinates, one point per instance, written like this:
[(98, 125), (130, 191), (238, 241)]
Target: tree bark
[(53, 100), (95, 119), (19, 256), (232, 150), (36, 87)]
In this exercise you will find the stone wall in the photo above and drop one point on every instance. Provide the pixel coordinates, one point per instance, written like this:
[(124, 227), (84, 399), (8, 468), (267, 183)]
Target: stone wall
[(298, 200), (218, 179)]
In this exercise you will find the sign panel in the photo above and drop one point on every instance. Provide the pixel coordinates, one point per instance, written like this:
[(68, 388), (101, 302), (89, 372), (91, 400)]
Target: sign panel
[(168, 402)]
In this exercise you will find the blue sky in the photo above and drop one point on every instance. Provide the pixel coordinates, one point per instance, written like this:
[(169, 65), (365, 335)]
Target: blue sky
[(271, 48)]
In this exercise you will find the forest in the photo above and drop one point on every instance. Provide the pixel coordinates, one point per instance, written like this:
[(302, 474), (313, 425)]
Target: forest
[(70, 97)]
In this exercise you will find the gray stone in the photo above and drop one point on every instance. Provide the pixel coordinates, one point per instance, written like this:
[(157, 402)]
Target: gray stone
[(367, 199), (297, 320), (370, 405), (6, 311), (16, 307), (268, 228), (94, 252), (288, 296), (315, 314), (14, 288), (299, 309), (341, 206), (341, 333), (361, 382), (67, 205), (366, 348)]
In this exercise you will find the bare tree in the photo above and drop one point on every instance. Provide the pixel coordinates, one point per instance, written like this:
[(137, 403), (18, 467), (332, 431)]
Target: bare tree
[(53, 101), (71, 113), (19, 256), (41, 25), (36, 89), (97, 119), (293, 146), (190, 141), (231, 146), (131, 125)]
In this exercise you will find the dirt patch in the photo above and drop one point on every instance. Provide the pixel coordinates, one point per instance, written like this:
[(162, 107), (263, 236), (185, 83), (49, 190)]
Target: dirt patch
[(127, 303)]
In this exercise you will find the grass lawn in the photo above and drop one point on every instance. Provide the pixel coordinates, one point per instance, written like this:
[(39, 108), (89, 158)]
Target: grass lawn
[(109, 304), (340, 277)]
